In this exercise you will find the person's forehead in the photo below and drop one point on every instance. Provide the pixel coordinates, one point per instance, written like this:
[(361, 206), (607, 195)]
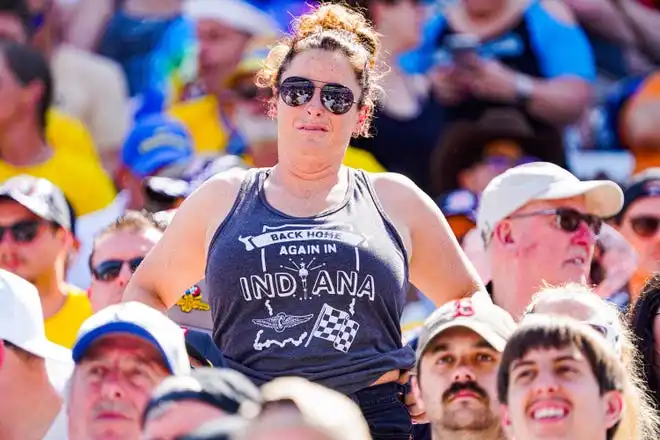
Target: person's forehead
[(644, 206), (128, 240), (457, 338), (11, 207), (129, 346), (217, 26), (550, 355), (323, 65)]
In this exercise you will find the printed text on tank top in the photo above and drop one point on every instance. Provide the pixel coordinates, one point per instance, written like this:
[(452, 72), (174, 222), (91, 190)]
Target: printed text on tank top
[(318, 296)]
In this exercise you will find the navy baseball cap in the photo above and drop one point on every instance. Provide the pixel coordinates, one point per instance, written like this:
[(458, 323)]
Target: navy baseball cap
[(156, 142), (642, 185)]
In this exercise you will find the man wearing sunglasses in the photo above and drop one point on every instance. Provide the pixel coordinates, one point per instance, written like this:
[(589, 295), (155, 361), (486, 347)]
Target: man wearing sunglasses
[(639, 223), (118, 251), (36, 241), (539, 224)]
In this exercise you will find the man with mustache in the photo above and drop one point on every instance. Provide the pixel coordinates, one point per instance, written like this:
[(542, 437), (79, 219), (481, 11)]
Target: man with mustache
[(122, 353), (456, 375)]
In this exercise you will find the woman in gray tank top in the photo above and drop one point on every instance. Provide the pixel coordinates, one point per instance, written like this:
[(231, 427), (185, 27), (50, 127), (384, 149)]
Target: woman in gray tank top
[(307, 263)]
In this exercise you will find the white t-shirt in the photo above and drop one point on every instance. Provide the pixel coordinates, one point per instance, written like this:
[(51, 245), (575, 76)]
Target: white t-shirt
[(58, 430)]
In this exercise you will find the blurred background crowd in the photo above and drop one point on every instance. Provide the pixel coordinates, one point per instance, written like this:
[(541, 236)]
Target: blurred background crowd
[(113, 111)]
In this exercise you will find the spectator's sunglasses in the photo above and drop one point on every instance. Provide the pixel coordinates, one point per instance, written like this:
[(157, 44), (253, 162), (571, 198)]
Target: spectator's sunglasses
[(109, 270), (252, 92), (296, 91), (645, 226), (568, 219), (22, 232)]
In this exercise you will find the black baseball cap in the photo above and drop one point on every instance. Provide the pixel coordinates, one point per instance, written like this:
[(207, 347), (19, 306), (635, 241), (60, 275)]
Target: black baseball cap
[(644, 184), (222, 388)]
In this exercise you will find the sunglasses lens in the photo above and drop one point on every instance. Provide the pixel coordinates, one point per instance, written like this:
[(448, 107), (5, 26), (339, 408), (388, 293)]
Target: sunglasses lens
[(108, 270), (569, 220), (645, 226), (599, 328), (337, 99), (134, 263), (296, 91), (25, 232)]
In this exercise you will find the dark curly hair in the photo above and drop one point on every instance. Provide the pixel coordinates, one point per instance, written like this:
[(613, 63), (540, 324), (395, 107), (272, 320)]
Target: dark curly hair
[(642, 317)]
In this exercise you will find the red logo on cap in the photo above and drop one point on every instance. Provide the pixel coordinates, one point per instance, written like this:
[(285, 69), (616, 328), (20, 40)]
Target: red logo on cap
[(464, 308)]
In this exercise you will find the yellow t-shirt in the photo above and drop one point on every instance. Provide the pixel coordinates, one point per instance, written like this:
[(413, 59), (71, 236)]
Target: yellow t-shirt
[(62, 328), (201, 117), (66, 132)]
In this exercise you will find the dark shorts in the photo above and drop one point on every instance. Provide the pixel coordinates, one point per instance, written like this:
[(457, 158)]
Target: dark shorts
[(386, 414)]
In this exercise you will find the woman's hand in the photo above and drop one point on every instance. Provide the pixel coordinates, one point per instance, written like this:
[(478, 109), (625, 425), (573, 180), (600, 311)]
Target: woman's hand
[(492, 80)]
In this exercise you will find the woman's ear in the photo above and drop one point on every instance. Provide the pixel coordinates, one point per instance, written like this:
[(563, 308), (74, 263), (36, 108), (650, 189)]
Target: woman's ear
[(363, 115)]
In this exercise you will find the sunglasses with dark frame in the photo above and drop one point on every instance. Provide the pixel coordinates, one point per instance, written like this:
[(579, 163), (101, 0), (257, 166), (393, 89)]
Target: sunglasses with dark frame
[(109, 270), (568, 219), (645, 226), (336, 98), (24, 231)]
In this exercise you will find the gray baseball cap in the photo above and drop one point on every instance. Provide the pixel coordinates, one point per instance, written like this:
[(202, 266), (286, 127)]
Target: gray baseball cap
[(40, 196)]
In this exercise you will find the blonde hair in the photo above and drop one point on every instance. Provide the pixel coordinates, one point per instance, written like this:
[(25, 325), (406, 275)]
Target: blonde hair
[(640, 420), (334, 28)]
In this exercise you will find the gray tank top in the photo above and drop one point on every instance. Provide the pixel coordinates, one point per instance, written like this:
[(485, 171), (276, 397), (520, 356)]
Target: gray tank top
[(318, 297)]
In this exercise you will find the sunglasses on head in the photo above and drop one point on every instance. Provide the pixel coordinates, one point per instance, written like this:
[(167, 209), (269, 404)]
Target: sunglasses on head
[(645, 225), (109, 270), (568, 219), (22, 232), (335, 98)]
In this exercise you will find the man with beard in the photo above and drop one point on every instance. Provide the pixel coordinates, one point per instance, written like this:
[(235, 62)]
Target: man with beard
[(456, 375)]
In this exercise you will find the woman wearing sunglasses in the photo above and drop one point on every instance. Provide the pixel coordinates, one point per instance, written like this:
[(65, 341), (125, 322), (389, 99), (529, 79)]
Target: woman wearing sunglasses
[(639, 223), (307, 263)]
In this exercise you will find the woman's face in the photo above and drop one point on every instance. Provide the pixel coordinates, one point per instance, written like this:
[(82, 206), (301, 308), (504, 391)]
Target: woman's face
[(310, 131)]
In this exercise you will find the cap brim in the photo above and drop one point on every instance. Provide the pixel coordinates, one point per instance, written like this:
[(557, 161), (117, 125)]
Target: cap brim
[(46, 349), (496, 341), (604, 198), (88, 339)]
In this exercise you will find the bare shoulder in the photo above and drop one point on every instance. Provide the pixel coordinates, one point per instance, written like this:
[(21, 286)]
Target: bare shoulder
[(395, 189), (559, 11)]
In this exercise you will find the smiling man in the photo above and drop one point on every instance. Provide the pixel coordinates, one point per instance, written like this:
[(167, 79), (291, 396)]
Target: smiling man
[(457, 359), (539, 223), (558, 379)]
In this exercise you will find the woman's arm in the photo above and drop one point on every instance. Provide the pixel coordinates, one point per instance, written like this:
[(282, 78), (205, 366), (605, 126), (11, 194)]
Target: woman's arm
[(438, 265), (179, 259)]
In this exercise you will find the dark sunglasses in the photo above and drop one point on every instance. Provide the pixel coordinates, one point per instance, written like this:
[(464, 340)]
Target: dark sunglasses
[(645, 226), (249, 92), (569, 219), (296, 91), (109, 270), (22, 232)]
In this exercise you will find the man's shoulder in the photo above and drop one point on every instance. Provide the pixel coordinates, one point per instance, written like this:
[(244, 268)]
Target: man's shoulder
[(78, 302)]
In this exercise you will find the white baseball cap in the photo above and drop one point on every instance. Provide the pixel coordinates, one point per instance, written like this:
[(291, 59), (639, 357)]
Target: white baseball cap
[(139, 320), (22, 319), (518, 186), (237, 14)]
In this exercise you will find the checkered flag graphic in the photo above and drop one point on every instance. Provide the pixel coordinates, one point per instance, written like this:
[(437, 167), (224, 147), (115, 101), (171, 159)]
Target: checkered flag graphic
[(335, 326)]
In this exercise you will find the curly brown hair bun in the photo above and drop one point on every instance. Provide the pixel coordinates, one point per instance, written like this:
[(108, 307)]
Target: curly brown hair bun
[(330, 27)]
